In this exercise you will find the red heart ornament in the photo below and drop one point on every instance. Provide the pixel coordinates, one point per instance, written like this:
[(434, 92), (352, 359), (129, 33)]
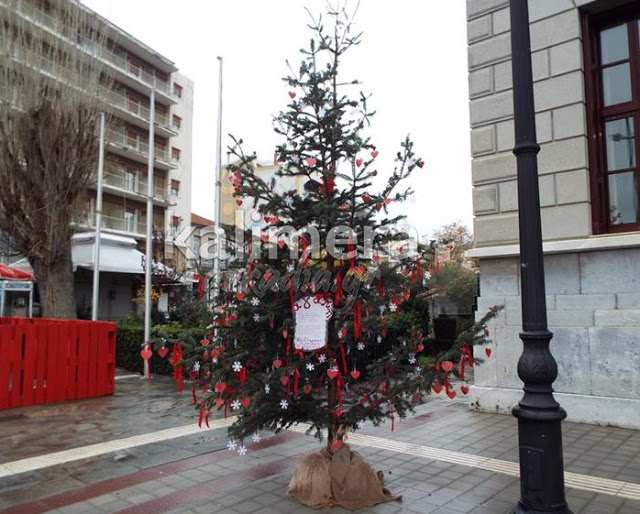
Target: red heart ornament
[(332, 373), (277, 363), (488, 352), (292, 94), (358, 162), (464, 389), (246, 401), (307, 388), (146, 354), (264, 238), (311, 161), (336, 445), (451, 394), (219, 402), (437, 388), (420, 347), (447, 366), (366, 198), (376, 257), (240, 296), (204, 342), (374, 154), (220, 387), (281, 243), (339, 412), (239, 201), (420, 164), (268, 275), (285, 333), (355, 374), (387, 201), (284, 380), (163, 352), (378, 206), (344, 207)]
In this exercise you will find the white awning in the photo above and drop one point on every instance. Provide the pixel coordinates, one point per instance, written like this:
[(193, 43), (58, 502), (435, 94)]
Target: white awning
[(117, 254)]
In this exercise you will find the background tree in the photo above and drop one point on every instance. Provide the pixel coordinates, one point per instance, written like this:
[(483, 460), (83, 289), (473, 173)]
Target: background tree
[(49, 108)]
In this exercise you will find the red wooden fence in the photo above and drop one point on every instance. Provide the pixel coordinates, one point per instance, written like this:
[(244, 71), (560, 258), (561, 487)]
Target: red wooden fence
[(55, 360)]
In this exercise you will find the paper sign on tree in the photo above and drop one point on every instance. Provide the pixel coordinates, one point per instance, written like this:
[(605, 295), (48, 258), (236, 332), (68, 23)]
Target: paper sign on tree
[(312, 316)]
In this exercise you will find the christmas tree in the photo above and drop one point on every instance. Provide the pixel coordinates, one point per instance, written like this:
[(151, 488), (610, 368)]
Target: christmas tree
[(302, 329)]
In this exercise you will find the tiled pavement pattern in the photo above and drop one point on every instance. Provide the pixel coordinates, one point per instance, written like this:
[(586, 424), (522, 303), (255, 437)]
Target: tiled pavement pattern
[(196, 473)]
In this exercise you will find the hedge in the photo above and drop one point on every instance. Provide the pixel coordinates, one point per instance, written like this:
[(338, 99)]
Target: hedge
[(129, 344)]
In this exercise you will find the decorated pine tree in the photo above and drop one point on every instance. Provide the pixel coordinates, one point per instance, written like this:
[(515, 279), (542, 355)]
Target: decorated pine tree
[(305, 327)]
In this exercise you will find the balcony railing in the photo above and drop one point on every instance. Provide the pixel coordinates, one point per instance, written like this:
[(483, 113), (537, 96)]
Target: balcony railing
[(118, 177), (120, 223), (160, 152), (55, 24), (134, 107)]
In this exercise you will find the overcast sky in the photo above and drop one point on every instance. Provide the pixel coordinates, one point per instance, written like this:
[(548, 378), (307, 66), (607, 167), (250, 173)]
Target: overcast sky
[(413, 60)]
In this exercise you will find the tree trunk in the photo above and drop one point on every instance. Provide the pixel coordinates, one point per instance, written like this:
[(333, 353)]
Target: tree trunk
[(56, 288)]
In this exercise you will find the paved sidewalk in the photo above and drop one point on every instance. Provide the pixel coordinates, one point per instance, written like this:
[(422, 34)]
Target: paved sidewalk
[(140, 450)]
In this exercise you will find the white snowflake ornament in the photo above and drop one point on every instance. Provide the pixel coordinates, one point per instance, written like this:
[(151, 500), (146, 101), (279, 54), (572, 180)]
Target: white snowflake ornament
[(412, 358), (361, 346), (322, 358), (256, 437), (284, 404), (237, 366), (267, 389), (235, 405), (231, 445), (256, 317), (393, 307), (255, 301), (310, 366), (242, 450)]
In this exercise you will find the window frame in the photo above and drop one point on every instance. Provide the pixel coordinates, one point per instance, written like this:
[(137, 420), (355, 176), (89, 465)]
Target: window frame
[(598, 114)]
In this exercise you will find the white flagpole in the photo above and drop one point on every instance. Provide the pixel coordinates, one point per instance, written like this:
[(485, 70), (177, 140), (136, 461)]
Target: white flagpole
[(98, 220), (149, 247), (218, 196)]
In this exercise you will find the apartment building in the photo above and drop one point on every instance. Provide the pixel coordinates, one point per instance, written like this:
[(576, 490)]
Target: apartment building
[(586, 57), (134, 70)]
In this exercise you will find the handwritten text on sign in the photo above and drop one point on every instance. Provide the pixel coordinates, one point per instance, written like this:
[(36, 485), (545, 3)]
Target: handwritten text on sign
[(312, 315)]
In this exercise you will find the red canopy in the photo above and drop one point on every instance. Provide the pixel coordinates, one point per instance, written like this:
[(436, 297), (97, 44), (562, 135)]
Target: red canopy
[(10, 273)]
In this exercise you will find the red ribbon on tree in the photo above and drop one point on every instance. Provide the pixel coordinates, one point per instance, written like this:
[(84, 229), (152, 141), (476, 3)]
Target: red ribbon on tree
[(201, 287), (204, 415), (176, 357), (357, 320), (344, 359), (295, 382), (305, 252), (381, 287), (291, 295), (338, 295)]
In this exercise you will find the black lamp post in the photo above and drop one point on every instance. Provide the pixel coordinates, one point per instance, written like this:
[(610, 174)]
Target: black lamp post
[(539, 415)]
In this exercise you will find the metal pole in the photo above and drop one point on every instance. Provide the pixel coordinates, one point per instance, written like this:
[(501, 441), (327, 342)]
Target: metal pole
[(96, 243), (218, 185), (539, 415), (149, 245)]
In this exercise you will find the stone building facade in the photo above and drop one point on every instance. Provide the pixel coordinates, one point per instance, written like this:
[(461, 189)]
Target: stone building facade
[(586, 62)]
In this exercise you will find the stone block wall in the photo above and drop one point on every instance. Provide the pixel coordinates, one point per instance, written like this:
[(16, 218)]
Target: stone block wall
[(560, 120), (595, 318)]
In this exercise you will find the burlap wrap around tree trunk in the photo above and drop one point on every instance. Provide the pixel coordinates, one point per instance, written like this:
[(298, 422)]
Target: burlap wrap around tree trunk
[(344, 479)]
